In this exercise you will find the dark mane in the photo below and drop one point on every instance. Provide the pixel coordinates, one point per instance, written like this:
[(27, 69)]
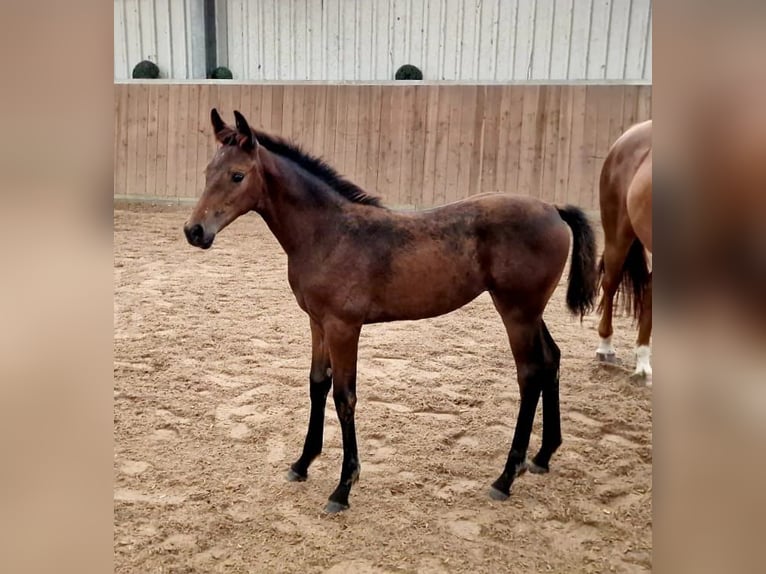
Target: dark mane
[(311, 164)]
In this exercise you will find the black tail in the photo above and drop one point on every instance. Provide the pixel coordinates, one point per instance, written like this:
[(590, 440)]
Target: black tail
[(634, 279), (583, 275)]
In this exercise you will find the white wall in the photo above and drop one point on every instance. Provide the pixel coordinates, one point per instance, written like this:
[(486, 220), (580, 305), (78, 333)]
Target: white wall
[(468, 40), (160, 31), (458, 40)]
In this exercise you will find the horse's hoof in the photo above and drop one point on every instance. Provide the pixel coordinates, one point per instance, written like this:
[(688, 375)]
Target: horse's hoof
[(293, 476), (608, 358), (536, 469), (335, 507), (642, 377), (496, 494)]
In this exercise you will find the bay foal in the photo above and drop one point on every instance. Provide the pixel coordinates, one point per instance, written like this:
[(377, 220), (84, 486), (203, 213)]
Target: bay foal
[(352, 262)]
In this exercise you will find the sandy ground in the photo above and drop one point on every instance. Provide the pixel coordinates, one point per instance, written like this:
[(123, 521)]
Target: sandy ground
[(211, 406)]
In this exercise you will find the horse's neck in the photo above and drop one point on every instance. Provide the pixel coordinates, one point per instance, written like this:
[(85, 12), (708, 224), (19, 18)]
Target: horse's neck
[(293, 211)]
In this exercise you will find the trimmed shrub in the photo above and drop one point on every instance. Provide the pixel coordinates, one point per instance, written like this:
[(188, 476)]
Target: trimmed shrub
[(146, 70), (221, 73), (408, 72)]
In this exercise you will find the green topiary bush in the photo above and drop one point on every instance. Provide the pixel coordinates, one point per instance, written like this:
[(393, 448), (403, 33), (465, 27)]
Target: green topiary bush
[(408, 72), (221, 73), (146, 70)]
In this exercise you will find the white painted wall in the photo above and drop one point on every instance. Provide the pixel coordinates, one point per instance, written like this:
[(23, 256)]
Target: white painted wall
[(459, 40), (160, 31), (367, 40)]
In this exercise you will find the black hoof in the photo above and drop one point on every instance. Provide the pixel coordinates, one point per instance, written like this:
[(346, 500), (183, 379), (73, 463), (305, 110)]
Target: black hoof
[(535, 468), (335, 507), (293, 476), (496, 494)]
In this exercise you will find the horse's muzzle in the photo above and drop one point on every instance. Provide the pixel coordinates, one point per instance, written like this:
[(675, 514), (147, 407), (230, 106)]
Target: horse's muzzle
[(196, 236)]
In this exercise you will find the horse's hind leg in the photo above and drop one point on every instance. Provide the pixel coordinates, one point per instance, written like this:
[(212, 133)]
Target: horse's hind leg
[(320, 382), (536, 367), (613, 260), (551, 412), (643, 363)]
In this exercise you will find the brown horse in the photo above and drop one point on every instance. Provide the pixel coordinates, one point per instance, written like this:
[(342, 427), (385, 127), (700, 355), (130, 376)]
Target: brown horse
[(352, 262), (625, 191)]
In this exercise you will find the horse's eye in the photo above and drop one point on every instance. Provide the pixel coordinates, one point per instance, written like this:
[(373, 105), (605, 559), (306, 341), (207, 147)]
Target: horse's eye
[(237, 177)]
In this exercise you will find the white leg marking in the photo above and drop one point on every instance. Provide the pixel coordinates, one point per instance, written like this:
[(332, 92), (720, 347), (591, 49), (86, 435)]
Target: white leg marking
[(643, 365), (605, 347)]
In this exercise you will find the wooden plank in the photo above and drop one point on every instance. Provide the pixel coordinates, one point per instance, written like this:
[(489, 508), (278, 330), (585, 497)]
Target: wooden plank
[(351, 111), (298, 131), (152, 136), (429, 152), (563, 145), (320, 118), (203, 134), (453, 147), (577, 147), (630, 106), (373, 139), (309, 118), (132, 156), (407, 146), (393, 165), (550, 144), (616, 103), (160, 176), (490, 137), (121, 161), (442, 145), (175, 94), (531, 141), (288, 103), (468, 98), (589, 163), (477, 141), (512, 166), (192, 131), (644, 103), (419, 144), (364, 125), (277, 101)]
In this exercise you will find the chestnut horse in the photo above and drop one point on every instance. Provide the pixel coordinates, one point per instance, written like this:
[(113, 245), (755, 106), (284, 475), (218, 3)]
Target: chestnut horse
[(625, 191), (352, 262)]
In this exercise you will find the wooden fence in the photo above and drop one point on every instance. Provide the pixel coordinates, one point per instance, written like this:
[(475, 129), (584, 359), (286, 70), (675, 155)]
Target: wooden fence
[(414, 145)]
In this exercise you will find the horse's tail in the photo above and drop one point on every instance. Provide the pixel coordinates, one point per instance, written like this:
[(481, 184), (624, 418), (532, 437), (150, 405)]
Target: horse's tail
[(633, 280), (583, 274)]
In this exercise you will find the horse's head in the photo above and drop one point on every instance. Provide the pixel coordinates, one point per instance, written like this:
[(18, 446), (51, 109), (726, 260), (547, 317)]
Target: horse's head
[(234, 182)]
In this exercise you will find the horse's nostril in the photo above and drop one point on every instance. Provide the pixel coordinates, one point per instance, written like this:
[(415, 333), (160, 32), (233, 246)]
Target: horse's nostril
[(194, 233)]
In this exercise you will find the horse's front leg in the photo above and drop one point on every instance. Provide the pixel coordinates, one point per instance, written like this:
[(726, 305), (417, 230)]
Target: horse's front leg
[(320, 381), (343, 342)]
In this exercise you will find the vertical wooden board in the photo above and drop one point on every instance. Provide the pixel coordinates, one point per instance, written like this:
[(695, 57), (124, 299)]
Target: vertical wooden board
[(644, 103), (277, 101), (361, 158), (604, 138), (550, 144), (341, 119), (453, 148), (319, 119), (630, 106), (132, 123), (192, 129), (442, 144), (298, 131), (577, 146), (151, 139), (374, 163), (504, 131), (245, 102), (352, 126), (182, 142), (489, 147), (419, 144), (475, 184), (384, 142), (616, 103), (204, 134), (331, 127), (467, 134), (394, 164), (288, 103), (594, 105), (121, 159), (563, 145), (172, 140), (513, 166), (429, 152), (309, 117), (160, 175), (408, 146), (531, 140)]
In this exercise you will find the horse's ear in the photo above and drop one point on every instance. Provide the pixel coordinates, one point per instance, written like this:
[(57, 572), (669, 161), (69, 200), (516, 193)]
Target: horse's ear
[(218, 123), (248, 140)]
